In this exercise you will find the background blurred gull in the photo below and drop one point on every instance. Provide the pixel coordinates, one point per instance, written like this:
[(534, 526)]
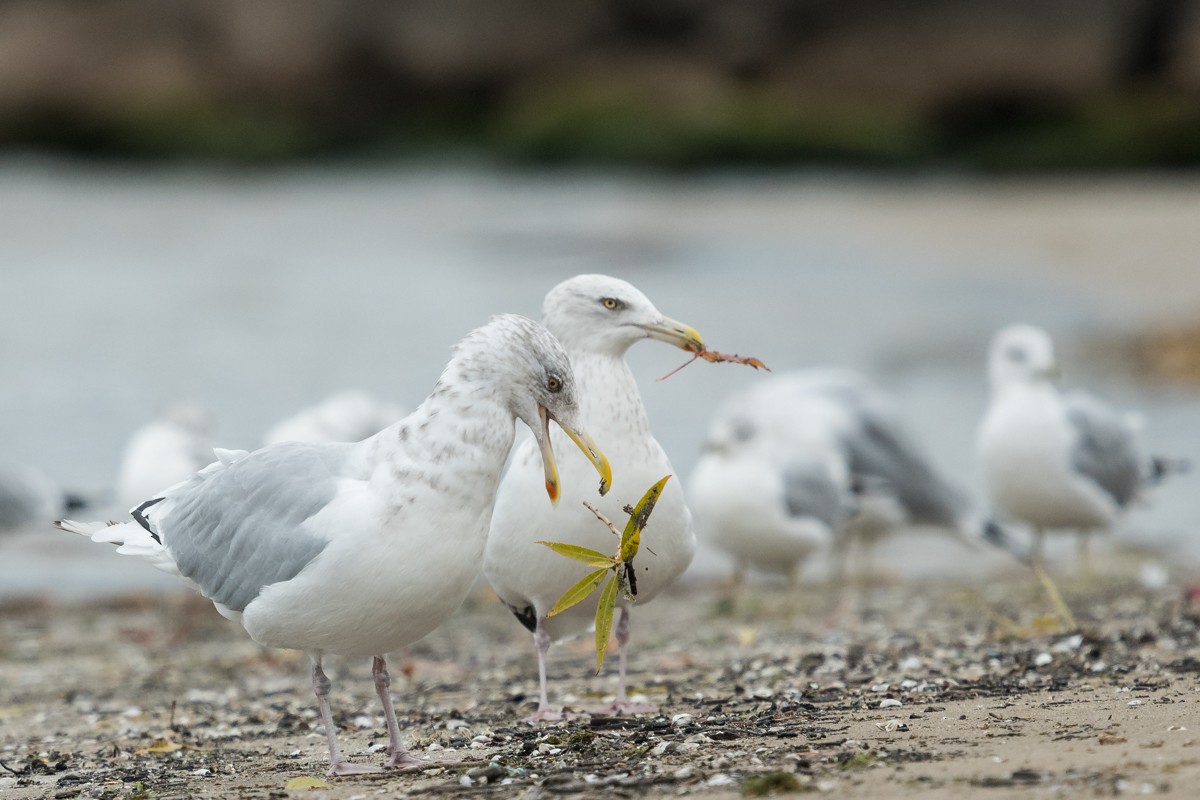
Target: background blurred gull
[(1053, 460), (765, 505), (164, 452), (348, 416), (823, 435), (29, 497), (362, 548), (597, 318)]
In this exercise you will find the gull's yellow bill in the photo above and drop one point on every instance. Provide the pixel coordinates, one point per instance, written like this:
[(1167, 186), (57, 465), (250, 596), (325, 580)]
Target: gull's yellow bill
[(582, 441)]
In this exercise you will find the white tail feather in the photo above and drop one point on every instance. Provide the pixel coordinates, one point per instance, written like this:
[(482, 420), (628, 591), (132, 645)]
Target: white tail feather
[(131, 540), (82, 528)]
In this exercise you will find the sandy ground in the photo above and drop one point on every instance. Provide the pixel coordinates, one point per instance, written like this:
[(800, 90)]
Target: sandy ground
[(937, 690)]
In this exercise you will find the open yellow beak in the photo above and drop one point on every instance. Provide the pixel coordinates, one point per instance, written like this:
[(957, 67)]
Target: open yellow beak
[(582, 441), (680, 334)]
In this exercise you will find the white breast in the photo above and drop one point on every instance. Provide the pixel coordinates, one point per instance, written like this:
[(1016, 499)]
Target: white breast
[(1025, 446)]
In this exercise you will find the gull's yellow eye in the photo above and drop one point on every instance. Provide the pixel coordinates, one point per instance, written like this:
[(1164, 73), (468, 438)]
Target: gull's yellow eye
[(554, 384), (611, 303)]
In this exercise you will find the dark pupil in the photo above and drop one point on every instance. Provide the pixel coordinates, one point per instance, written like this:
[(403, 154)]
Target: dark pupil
[(1016, 354)]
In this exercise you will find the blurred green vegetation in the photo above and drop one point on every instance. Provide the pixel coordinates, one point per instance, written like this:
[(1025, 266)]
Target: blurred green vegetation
[(676, 84), (617, 125)]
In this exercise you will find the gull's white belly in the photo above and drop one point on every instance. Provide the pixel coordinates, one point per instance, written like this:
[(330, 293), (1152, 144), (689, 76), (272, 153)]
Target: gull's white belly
[(375, 593), (739, 507), (1025, 449)]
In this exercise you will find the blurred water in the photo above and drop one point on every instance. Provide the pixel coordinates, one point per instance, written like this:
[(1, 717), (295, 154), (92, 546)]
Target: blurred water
[(256, 294)]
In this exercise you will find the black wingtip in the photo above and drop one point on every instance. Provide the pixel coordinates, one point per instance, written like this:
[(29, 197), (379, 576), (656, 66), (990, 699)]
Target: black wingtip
[(1162, 467), (997, 535), (139, 515), (75, 502), (526, 616)]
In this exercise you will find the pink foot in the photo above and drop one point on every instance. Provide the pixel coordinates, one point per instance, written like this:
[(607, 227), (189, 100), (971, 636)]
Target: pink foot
[(346, 768), (545, 714), (406, 759)]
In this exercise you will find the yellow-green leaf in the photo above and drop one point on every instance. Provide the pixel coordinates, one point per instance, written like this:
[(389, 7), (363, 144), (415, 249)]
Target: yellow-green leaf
[(604, 617), (159, 746), (578, 592), (631, 539), (593, 558), (305, 782)]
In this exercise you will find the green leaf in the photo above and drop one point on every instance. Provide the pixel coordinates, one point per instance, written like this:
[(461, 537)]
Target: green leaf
[(604, 618), (578, 592), (631, 539), (593, 558)]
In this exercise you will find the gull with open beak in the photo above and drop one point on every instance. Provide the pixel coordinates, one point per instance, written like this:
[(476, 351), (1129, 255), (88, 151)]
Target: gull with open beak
[(585, 444), (361, 549), (597, 318)]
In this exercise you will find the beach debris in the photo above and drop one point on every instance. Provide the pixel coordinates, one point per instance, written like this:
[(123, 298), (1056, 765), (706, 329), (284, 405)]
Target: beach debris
[(713, 357)]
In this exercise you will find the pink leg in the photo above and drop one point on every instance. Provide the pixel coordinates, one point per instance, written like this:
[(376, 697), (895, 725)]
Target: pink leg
[(622, 705), (545, 712), (383, 687), (338, 765)]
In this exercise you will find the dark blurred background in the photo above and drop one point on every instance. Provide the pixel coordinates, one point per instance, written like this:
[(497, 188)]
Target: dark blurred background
[(991, 84)]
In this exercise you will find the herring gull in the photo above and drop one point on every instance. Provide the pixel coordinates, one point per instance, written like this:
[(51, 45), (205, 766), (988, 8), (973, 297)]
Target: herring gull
[(597, 318), (768, 506), (1055, 460), (834, 462), (362, 548)]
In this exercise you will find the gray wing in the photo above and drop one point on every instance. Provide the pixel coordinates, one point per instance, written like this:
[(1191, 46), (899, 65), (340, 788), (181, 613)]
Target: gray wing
[(878, 448), (809, 491), (1104, 451), (238, 526)]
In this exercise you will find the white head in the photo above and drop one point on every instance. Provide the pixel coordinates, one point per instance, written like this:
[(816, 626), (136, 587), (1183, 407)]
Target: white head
[(532, 376), (599, 314), (1021, 354)]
